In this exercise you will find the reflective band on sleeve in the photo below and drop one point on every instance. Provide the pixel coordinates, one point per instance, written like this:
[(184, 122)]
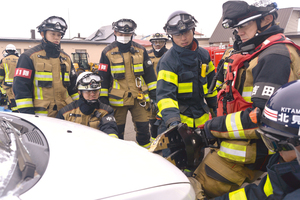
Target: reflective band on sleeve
[(238, 195), (167, 103), (75, 96), (247, 92), (185, 87), (233, 151), (104, 92), (168, 76), (234, 126), (24, 103), (151, 86), (268, 189)]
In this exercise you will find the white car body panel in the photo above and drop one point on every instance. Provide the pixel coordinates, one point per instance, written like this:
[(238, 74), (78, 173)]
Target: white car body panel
[(86, 163)]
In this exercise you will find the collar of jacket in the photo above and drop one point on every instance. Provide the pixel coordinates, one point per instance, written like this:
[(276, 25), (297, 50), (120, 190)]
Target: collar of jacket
[(182, 49), (186, 56), (261, 37), (86, 108), (160, 52), (52, 50), (123, 48)]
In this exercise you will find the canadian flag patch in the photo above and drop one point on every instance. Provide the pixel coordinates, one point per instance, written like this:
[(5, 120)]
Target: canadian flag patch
[(22, 72), (103, 67)]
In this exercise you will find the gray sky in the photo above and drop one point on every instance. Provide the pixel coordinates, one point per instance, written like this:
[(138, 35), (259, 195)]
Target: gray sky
[(86, 16)]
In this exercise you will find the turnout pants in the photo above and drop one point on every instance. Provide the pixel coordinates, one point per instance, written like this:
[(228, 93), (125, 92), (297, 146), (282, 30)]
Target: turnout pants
[(140, 119)]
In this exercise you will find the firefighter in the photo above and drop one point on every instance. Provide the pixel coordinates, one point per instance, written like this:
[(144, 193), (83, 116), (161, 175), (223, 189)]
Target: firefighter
[(45, 78), (184, 76), (264, 60), (279, 128), (88, 110), (129, 81), (158, 41), (7, 70)]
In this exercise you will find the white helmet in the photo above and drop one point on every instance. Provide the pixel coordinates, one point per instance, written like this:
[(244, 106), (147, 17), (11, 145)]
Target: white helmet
[(88, 81), (10, 47)]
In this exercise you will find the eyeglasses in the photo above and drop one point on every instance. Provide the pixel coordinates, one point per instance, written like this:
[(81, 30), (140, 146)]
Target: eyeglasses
[(185, 18), (243, 26)]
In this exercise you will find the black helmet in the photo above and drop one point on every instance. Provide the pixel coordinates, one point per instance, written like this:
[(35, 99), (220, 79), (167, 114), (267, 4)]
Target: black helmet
[(53, 23), (178, 22), (280, 121), (124, 26), (237, 13)]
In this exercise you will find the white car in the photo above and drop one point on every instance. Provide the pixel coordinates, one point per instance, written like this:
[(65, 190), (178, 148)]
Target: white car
[(47, 158)]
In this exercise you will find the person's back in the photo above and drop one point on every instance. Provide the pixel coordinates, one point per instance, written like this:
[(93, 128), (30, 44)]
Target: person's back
[(7, 71)]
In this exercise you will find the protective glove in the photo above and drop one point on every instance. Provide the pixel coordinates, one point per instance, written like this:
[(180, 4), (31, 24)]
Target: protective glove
[(175, 123), (153, 106)]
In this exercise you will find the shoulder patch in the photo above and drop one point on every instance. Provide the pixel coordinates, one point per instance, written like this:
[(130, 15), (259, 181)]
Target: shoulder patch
[(103, 67), (22, 72)]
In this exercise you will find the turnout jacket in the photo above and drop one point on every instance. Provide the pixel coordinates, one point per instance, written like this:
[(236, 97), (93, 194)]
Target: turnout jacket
[(44, 83), (156, 56), (184, 77), (99, 115), (127, 72), (281, 182), (256, 81), (7, 69)]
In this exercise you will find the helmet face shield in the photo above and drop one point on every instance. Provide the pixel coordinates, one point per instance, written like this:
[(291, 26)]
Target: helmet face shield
[(179, 22), (124, 26), (185, 18), (274, 143), (53, 23), (89, 81)]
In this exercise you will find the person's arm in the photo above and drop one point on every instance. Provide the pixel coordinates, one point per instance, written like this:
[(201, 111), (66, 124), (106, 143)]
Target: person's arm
[(23, 84), (104, 72)]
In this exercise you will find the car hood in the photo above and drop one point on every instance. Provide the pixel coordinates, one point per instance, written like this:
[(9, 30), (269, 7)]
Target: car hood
[(85, 163)]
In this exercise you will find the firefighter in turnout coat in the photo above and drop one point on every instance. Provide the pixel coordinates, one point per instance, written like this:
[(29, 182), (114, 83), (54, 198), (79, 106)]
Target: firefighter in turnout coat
[(7, 71), (264, 60), (45, 78), (129, 81), (88, 110)]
